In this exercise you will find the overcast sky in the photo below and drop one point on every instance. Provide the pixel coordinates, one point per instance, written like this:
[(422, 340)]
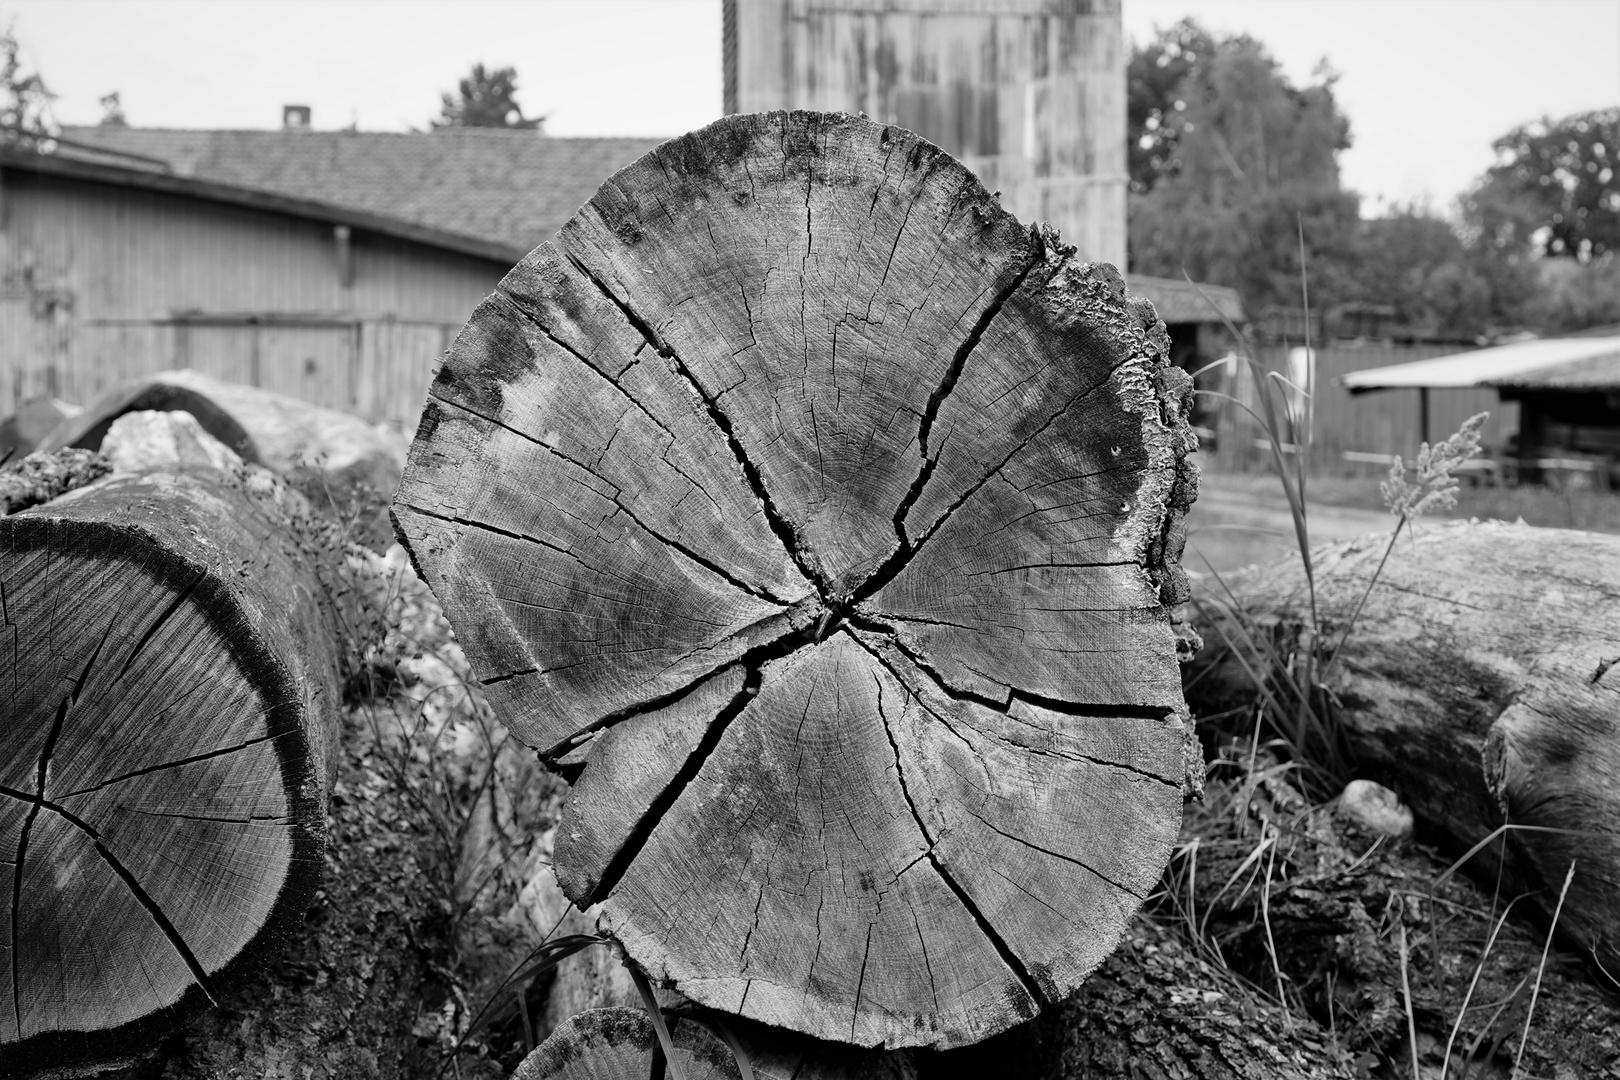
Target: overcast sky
[(1426, 83)]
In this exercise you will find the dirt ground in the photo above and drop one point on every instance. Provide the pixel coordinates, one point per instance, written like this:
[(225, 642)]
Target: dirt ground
[(1243, 519), (1235, 524)]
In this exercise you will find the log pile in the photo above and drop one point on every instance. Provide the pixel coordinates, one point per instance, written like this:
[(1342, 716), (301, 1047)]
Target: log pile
[(821, 522)]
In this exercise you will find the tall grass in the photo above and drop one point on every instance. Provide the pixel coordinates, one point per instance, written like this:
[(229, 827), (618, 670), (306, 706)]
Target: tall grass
[(1294, 704)]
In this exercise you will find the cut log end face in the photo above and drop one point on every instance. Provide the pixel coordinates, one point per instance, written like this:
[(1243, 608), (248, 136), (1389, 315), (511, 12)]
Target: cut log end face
[(153, 797), (821, 520)]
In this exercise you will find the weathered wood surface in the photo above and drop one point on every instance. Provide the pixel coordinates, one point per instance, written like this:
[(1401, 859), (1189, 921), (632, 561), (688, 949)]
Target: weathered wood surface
[(1153, 1010), (618, 1044), (171, 714), (820, 519), (1156, 1011), (323, 451), (1479, 684), (148, 440)]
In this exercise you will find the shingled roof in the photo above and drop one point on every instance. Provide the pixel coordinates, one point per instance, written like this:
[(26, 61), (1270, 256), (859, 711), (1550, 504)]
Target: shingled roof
[(511, 188), (505, 190)]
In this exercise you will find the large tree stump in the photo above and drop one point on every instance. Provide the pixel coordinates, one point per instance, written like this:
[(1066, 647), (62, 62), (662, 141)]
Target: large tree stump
[(1480, 684), (171, 714), (820, 519)]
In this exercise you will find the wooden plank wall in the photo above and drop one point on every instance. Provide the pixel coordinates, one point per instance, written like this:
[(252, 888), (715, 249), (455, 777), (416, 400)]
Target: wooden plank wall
[(1030, 94), (1381, 422), (101, 284), (377, 368)]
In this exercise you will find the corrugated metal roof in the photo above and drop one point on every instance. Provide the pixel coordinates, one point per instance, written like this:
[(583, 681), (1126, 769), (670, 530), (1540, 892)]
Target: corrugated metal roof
[(1599, 372), (1504, 365), (1179, 301), (507, 188)]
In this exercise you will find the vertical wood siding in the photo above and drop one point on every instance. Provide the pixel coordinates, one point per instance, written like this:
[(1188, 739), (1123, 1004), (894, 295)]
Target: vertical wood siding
[(1030, 94), (99, 284), (1380, 422)]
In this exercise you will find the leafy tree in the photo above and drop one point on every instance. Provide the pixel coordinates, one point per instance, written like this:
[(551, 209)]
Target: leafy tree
[(1250, 159), (1553, 189), (1573, 295), (25, 102), (487, 99), (112, 111), (1154, 105), (1414, 262)]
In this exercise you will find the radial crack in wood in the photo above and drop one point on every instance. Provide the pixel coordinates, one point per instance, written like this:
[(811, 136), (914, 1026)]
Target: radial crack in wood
[(1028, 807), (830, 894), (172, 686), (817, 280), (820, 522)]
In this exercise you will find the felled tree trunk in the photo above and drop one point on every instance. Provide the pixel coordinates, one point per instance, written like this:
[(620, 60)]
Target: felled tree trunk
[(330, 456), (171, 718), (1156, 1011), (1479, 684), (820, 519)]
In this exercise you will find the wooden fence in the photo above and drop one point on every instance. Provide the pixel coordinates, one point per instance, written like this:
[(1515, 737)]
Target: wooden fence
[(1378, 423)]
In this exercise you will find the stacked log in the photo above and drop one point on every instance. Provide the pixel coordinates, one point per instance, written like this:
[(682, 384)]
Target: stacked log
[(171, 675)]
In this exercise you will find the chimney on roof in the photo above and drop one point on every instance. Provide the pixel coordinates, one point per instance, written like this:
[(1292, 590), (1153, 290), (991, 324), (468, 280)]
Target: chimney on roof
[(295, 118)]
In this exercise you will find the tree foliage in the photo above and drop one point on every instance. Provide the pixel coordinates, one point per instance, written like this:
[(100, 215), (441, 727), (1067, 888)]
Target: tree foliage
[(1154, 105), (1237, 159), (112, 111), (1574, 295), (1414, 263), (1553, 188), (25, 101), (486, 99), (1229, 159)]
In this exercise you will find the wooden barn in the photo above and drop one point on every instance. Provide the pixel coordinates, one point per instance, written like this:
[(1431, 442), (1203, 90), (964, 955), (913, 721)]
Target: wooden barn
[(332, 266)]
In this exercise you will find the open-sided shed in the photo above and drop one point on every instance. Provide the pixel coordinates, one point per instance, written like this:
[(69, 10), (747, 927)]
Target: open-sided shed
[(1568, 390)]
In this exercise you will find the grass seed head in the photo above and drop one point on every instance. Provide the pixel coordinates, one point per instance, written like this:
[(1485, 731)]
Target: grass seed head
[(1434, 488)]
